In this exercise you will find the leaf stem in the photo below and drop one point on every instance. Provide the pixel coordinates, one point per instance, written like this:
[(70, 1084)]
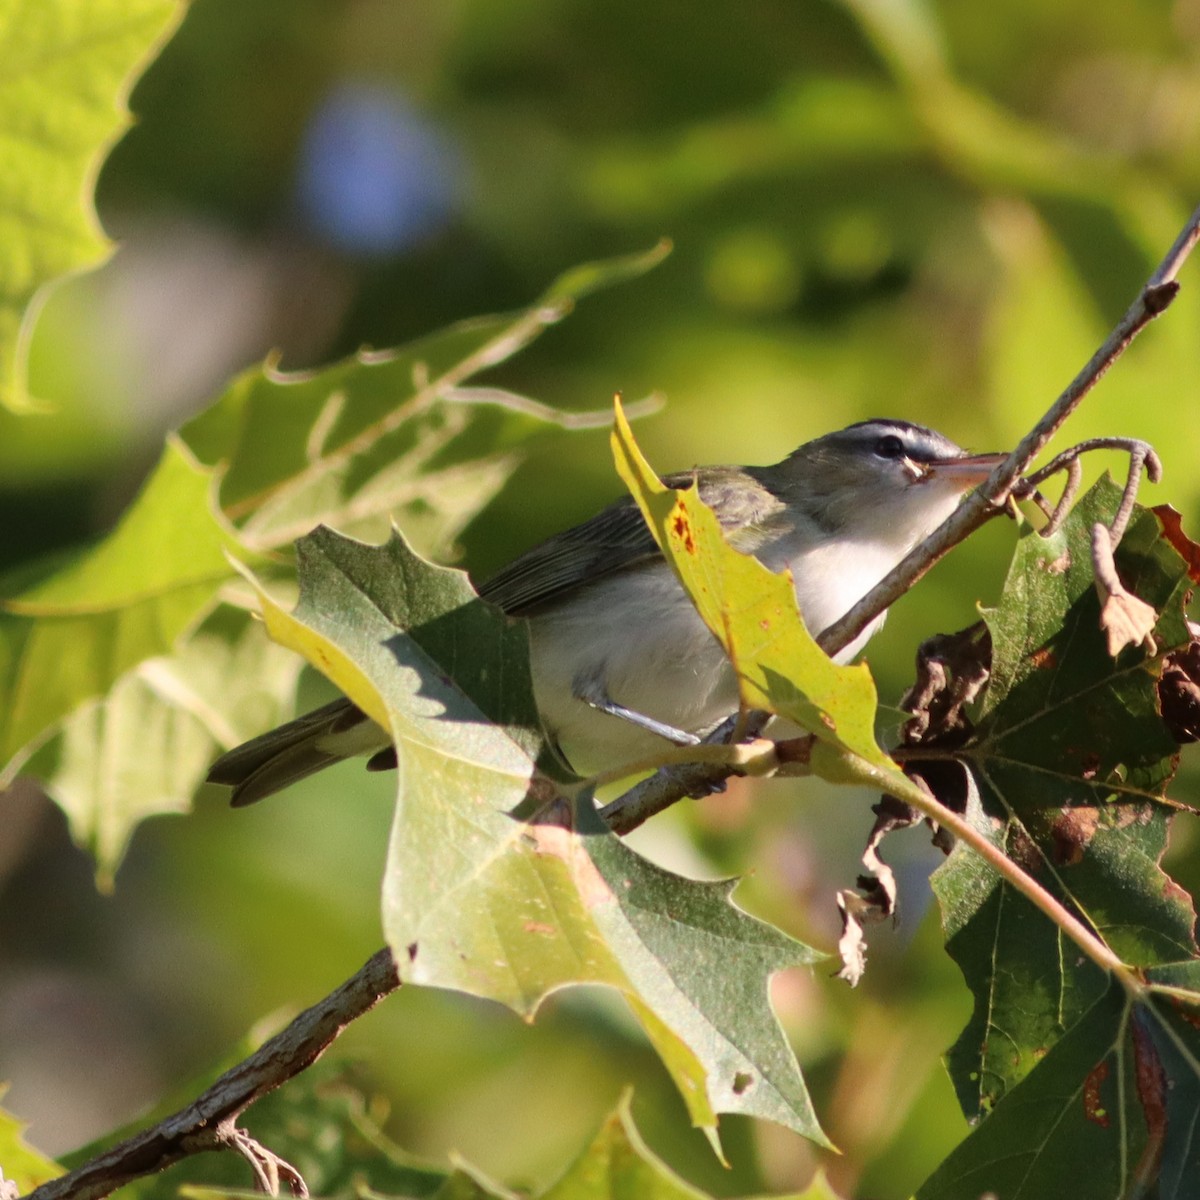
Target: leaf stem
[(858, 770)]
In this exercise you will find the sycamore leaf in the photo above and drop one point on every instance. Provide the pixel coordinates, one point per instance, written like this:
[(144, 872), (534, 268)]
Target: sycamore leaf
[(495, 884), (384, 433), (387, 435), (1112, 1103), (67, 68), (74, 634), (1071, 758), (145, 747), (753, 613)]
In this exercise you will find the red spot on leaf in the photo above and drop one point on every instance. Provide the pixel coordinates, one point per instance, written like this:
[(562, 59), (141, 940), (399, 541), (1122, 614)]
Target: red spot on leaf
[(1072, 832), (1093, 1106), (1152, 1095), (681, 527), (1044, 659), (1186, 1011)]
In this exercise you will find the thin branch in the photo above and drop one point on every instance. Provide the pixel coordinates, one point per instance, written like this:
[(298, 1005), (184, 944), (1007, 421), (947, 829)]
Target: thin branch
[(991, 496), (985, 502), (210, 1122)]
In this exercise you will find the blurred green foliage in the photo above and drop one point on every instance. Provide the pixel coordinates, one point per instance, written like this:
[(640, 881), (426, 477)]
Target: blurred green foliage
[(927, 210)]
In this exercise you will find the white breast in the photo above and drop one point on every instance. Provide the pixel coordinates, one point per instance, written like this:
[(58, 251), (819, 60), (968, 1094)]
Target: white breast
[(640, 638)]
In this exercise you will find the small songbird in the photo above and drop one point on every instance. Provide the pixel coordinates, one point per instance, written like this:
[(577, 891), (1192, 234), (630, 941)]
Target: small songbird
[(620, 658)]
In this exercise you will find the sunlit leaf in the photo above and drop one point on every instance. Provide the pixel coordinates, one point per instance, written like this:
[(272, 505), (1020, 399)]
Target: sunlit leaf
[(20, 1163), (495, 884), (754, 614), (74, 634), (619, 1164), (144, 748), (66, 72), (383, 436), (386, 434)]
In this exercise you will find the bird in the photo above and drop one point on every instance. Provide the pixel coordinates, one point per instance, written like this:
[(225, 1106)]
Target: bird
[(622, 665)]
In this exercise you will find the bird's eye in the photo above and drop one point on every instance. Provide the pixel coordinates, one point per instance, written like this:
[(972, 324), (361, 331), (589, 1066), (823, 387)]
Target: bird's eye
[(889, 447)]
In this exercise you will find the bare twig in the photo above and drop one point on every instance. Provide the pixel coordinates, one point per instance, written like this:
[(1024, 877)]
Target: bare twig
[(210, 1122)]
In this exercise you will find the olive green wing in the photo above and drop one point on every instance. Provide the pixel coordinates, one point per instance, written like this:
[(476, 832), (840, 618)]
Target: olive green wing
[(616, 539), (610, 541)]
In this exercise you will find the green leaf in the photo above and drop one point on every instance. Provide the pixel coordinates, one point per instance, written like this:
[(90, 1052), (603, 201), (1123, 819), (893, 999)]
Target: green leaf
[(382, 436), (67, 68), (618, 1164), (74, 634), (1071, 758), (20, 1163), (390, 434), (754, 614), (146, 746), (495, 885), (1112, 1104)]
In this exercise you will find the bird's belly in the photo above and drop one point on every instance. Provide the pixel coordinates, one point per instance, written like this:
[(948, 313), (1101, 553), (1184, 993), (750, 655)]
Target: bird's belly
[(640, 639)]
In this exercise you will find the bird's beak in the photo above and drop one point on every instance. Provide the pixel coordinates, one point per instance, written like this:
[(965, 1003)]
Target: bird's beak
[(969, 471)]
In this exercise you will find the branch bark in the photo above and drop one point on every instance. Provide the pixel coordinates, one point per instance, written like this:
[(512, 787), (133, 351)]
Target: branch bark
[(210, 1121)]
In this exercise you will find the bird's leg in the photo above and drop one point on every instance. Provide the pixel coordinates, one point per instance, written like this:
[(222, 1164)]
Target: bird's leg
[(592, 691)]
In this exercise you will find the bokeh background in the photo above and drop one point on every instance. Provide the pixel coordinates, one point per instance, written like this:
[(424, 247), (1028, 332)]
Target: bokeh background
[(879, 207)]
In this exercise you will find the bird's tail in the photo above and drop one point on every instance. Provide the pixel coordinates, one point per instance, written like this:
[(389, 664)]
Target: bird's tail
[(280, 757)]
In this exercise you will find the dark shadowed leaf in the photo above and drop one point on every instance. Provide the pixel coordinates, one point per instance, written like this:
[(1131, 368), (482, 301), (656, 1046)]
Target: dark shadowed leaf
[(1071, 758), (1109, 1112)]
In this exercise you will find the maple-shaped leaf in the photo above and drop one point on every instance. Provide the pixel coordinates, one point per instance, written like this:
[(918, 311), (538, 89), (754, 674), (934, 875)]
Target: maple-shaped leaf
[(497, 884), (1109, 1111), (67, 70), (388, 435), (1071, 759)]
